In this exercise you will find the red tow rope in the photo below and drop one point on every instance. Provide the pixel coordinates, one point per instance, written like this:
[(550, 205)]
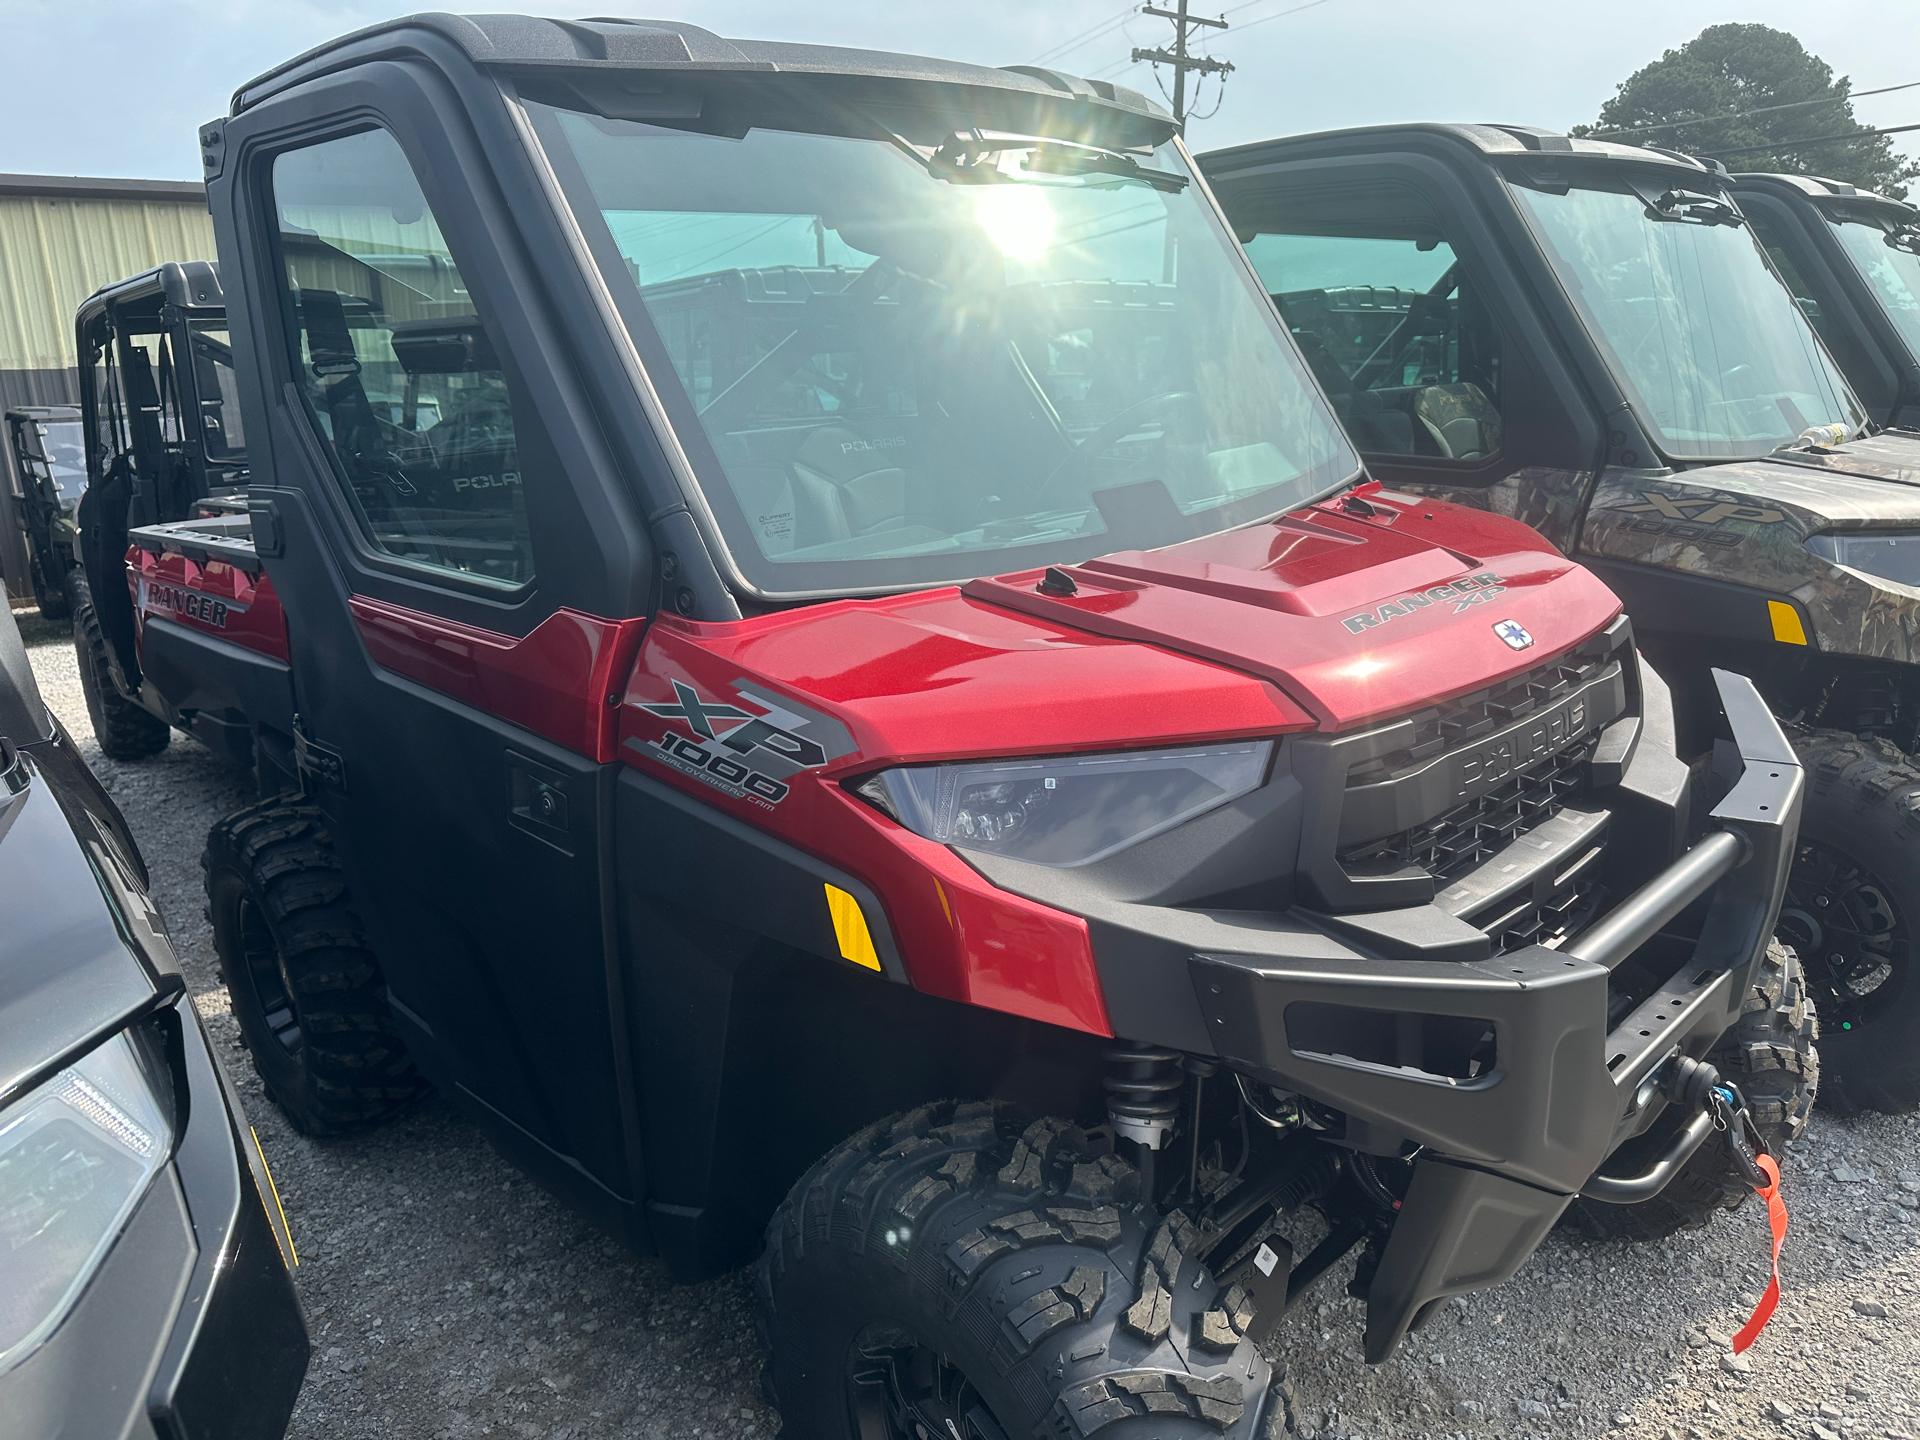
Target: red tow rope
[(1777, 1222)]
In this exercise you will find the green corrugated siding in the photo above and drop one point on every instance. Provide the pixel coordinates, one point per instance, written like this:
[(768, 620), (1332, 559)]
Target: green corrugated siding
[(55, 253)]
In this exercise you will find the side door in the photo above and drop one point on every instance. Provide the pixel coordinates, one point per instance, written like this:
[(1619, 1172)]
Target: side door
[(1402, 302), (454, 643)]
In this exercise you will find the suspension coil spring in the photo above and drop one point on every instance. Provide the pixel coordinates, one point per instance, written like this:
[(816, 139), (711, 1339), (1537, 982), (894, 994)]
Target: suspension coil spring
[(1142, 1082)]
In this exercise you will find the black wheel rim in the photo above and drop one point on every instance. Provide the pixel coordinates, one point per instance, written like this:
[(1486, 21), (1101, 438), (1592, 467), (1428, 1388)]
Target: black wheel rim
[(267, 973), (899, 1390), (1850, 935)]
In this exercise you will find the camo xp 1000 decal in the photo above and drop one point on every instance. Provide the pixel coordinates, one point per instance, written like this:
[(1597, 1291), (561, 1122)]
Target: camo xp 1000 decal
[(746, 743), (1748, 524)]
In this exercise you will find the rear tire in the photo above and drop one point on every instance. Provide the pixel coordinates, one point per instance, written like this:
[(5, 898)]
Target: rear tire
[(305, 987), (1769, 1053), (52, 599), (958, 1272), (125, 730), (1853, 902)]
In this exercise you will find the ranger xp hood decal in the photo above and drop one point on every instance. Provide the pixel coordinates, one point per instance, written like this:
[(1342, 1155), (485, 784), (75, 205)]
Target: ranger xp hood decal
[(751, 750), (1464, 594)]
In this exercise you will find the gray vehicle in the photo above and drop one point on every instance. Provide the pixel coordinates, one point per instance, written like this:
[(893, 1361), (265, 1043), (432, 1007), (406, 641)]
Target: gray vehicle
[(1588, 337), (145, 1290)]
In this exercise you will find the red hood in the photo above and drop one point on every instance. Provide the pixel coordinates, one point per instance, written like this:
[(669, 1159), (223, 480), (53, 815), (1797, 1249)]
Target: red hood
[(1358, 609), (1325, 618)]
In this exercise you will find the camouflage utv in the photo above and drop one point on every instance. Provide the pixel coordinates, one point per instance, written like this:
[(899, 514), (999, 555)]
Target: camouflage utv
[(1588, 337)]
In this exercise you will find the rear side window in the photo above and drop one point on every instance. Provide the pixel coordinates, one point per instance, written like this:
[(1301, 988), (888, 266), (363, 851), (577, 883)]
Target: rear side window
[(1397, 339), (393, 355)]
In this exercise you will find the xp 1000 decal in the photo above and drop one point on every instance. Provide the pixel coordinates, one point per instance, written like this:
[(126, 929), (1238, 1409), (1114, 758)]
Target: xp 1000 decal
[(746, 743)]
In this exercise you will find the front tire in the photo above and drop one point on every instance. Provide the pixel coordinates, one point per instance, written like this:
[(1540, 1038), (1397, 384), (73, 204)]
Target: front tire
[(125, 729), (960, 1273), (1852, 904), (306, 988), (1769, 1053)]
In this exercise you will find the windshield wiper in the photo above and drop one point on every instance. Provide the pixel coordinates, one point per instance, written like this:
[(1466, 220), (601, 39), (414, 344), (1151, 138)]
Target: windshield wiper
[(1904, 237), (970, 157), (1688, 207)]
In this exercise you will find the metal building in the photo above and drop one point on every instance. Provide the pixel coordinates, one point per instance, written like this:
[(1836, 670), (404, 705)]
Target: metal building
[(61, 238)]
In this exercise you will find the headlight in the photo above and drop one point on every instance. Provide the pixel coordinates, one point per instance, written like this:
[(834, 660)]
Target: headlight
[(1067, 810), (76, 1155), (1889, 557)]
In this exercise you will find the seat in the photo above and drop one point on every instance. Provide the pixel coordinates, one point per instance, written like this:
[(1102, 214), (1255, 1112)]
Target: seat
[(847, 485), (1373, 428), (1459, 419)]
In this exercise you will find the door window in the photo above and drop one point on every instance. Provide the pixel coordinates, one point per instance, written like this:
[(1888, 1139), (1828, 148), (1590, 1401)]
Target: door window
[(1397, 338), (393, 355)]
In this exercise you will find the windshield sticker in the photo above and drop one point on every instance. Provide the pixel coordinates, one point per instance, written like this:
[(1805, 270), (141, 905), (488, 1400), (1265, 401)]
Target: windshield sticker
[(1462, 594), (749, 750)]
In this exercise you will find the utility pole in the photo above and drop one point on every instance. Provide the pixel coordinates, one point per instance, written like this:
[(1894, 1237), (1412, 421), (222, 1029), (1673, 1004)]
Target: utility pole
[(1178, 58)]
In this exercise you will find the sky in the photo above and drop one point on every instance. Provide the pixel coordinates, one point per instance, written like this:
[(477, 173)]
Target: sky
[(117, 87)]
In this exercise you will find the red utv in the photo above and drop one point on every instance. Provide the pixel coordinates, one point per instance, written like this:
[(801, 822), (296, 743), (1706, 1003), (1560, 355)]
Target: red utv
[(851, 703)]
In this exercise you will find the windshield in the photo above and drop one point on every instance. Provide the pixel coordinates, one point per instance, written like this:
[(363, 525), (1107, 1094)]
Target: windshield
[(884, 378), (1707, 342), (65, 458), (1891, 270)]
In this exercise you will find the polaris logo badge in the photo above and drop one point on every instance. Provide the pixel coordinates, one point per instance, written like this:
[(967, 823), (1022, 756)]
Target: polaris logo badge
[(1514, 633), (750, 751), (1462, 594)]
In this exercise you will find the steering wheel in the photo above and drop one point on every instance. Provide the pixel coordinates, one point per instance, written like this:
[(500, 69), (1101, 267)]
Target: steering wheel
[(1105, 438)]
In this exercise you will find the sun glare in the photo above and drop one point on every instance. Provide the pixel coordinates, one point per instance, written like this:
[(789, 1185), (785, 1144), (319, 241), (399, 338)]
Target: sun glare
[(1017, 218)]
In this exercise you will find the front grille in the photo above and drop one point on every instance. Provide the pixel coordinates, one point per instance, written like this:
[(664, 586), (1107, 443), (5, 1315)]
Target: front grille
[(1461, 721), (1451, 844), (1525, 921)]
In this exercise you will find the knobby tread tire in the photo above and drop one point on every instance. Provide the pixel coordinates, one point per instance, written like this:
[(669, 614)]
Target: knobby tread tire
[(1770, 1054), (125, 730), (1005, 1244), (351, 1067), (1863, 797)]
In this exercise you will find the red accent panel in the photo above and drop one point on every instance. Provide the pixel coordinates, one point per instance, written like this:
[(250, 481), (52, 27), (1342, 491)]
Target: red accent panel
[(555, 680), (215, 598)]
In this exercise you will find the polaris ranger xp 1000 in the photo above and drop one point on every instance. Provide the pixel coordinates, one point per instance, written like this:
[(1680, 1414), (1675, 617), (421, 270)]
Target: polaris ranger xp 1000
[(1852, 260), (632, 416), (1589, 337)]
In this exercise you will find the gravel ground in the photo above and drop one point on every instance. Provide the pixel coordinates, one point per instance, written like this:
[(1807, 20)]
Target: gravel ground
[(449, 1297)]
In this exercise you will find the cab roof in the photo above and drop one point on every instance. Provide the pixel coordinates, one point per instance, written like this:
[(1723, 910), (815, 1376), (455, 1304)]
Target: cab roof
[(602, 43), (1490, 140), (190, 284), (1818, 187)]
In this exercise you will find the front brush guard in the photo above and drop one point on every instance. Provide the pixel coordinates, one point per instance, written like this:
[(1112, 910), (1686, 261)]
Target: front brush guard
[(1501, 1154)]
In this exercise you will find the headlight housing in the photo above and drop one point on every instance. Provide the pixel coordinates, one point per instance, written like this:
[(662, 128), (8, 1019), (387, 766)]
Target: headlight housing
[(1872, 552), (1071, 809), (76, 1155)]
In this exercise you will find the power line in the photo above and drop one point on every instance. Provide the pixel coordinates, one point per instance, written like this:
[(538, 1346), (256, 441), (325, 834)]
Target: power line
[(1779, 145), (1733, 114), (1277, 15), (1067, 47)]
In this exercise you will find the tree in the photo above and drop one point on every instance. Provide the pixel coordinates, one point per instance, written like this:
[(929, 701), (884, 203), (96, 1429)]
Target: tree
[(1683, 101)]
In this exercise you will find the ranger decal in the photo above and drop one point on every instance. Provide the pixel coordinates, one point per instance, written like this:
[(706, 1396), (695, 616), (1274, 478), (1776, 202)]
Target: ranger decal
[(1463, 594), (188, 604)]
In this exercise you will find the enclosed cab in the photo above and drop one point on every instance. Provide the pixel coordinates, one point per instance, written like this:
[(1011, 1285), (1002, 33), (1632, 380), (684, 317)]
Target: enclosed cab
[(166, 469), (1590, 337), (1852, 260), (817, 584), (47, 473)]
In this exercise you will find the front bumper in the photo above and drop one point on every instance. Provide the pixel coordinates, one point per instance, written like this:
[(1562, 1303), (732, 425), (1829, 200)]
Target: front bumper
[(1502, 1150), (190, 1329)]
